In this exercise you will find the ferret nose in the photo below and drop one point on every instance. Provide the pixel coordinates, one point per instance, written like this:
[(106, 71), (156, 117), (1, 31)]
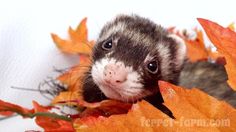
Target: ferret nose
[(115, 73)]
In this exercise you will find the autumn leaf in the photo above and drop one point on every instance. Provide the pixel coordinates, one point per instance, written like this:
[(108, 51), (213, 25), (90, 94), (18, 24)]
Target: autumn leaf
[(7, 113), (186, 105), (196, 50), (74, 77), (103, 108), (225, 41), (8, 109), (48, 123), (195, 104), (78, 42), (67, 98), (47, 120)]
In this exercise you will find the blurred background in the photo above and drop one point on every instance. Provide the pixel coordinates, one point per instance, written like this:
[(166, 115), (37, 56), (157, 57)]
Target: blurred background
[(28, 54)]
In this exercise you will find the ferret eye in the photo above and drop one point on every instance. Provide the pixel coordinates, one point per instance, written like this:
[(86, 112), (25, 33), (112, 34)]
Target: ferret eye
[(152, 67), (107, 45)]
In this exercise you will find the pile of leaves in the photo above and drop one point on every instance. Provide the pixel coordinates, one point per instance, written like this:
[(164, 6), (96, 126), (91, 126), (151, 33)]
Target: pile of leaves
[(192, 108)]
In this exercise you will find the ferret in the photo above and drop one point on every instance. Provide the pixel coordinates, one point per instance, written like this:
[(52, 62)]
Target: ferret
[(130, 55)]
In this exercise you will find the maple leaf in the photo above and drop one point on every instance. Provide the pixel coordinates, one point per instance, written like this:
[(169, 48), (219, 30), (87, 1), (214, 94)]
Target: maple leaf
[(78, 42), (225, 41), (196, 50), (103, 108), (186, 105), (74, 77)]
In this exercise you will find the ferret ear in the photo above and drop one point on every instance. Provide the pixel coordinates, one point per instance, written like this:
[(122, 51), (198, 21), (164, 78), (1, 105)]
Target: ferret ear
[(181, 50)]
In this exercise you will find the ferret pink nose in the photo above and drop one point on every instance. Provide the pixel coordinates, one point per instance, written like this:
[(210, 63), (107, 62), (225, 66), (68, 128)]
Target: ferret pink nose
[(115, 73)]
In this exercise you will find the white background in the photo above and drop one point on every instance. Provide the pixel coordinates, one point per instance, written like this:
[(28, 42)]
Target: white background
[(27, 53)]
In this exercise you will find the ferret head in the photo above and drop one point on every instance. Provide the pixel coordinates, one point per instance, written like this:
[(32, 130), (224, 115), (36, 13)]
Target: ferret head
[(131, 55)]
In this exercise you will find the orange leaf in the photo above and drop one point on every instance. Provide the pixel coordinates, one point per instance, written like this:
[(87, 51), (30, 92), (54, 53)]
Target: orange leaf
[(196, 50), (195, 104), (78, 42), (103, 108), (225, 41), (73, 77), (193, 109), (67, 98), (82, 30)]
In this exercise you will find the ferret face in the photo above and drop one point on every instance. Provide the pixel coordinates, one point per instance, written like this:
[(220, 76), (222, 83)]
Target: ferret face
[(131, 55)]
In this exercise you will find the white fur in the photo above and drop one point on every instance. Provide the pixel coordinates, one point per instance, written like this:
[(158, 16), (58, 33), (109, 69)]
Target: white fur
[(128, 91), (164, 52), (181, 51)]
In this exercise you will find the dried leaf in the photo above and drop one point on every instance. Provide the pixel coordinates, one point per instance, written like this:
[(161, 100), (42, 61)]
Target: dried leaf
[(49, 123), (67, 98), (7, 113), (78, 42), (196, 50), (45, 119), (106, 108), (193, 109), (195, 104), (73, 77), (8, 109), (103, 108), (225, 41)]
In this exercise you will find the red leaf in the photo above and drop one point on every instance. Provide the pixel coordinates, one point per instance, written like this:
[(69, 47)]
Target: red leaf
[(7, 113), (8, 109), (45, 119), (50, 123)]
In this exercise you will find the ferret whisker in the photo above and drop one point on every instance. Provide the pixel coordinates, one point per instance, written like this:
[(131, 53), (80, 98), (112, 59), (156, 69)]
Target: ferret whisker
[(85, 81), (27, 89), (101, 94), (61, 71), (132, 99), (46, 92), (52, 88), (136, 87)]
